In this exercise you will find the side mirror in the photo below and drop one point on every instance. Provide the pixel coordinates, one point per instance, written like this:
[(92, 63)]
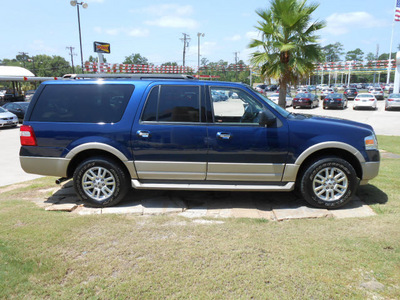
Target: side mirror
[(266, 118)]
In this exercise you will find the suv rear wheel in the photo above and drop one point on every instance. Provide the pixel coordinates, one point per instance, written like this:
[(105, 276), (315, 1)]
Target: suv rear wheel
[(329, 182), (100, 182)]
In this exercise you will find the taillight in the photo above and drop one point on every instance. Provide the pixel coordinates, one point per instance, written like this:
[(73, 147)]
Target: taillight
[(345, 93), (371, 99), (390, 100), (296, 99), (27, 136)]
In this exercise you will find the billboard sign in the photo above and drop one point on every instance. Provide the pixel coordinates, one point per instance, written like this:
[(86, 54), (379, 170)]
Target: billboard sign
[(100, 47)]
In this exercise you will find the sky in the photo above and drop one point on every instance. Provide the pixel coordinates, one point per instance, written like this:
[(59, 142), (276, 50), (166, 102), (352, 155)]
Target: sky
[(154, 29)]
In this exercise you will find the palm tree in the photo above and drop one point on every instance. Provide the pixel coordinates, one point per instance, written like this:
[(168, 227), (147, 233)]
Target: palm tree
[(289, 42)]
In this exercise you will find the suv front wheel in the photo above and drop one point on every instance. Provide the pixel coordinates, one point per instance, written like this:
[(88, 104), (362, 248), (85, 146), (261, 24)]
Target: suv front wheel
[(100, 182), (328, 182)]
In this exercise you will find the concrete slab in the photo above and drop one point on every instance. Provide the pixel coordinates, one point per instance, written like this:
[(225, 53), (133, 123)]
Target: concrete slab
[(132, 208), (62, 207), (300, 212), (355, 209)]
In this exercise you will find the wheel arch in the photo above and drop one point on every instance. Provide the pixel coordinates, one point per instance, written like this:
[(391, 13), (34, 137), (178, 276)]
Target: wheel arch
[(85, 151), (345, 154)]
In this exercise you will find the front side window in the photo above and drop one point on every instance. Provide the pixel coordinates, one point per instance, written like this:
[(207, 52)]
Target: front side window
[(231, 105), (172, 103)]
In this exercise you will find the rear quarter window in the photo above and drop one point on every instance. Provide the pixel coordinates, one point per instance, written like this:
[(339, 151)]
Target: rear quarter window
[(82, 103)]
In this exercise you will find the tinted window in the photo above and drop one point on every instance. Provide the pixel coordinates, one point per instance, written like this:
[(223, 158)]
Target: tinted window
[(83, 103), (170, 103)]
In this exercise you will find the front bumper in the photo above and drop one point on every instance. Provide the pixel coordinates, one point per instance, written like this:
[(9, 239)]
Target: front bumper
[(370, 170)]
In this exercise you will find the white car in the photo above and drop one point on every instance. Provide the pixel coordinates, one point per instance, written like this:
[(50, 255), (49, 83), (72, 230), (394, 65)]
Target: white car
[(365, 100), (392, 101), (377, 92), (7, 118), (275, 98)]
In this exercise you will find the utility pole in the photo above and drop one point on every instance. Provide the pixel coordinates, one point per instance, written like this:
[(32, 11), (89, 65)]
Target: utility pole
[(236, 62), (71, 53), (186, 40)]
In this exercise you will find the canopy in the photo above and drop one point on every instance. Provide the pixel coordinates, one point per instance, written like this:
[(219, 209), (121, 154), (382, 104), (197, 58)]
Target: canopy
[(15, 71)]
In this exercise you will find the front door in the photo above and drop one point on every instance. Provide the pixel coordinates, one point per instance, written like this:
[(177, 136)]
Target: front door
[(239, 148)]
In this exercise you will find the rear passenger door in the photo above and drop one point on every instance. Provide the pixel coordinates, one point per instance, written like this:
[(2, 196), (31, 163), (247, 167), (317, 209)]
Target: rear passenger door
[(170, 135)]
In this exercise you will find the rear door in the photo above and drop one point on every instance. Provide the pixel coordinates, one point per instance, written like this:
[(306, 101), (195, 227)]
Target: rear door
[(170, 135), (239, 148)]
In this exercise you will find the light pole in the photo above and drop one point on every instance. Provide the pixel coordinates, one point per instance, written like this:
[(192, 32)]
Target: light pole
[(198, 52), (84, 5)]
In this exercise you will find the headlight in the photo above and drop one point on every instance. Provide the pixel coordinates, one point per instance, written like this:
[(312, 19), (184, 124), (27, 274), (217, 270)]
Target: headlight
[(371, 142)]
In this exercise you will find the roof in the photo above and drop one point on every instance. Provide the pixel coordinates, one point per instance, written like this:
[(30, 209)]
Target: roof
[(15, 71)]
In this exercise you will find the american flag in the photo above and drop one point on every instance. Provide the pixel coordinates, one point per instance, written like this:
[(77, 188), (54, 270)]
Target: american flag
[(397, 11)]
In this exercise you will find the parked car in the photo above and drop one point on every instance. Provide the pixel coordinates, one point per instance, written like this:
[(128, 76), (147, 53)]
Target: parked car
[(271, 88), (377, 92), (165, 132), (7, 119), (305, 100), (326, 92), (335, 100), (29, 94), (350, 93), (17, 108), (275, 98), (392, 101), (302, 90), (365, 100), (261, 88)]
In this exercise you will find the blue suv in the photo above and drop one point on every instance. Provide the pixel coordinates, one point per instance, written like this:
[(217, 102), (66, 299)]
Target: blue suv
[(170, 132)]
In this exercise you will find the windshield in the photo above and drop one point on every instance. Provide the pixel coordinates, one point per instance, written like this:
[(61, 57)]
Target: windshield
[(2, 110)]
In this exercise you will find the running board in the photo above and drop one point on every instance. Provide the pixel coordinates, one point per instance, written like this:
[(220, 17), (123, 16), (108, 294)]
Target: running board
[(212, 187)]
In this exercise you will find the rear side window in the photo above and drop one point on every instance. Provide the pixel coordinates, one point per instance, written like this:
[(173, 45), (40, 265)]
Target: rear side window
[(82, 103), (171, 103)]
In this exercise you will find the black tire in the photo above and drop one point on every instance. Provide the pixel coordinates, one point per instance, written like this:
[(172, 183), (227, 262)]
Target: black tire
[(101, 182), (335, 180)]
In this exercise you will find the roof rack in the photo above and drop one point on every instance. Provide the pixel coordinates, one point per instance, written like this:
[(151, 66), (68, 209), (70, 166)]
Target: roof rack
[(133, 76)]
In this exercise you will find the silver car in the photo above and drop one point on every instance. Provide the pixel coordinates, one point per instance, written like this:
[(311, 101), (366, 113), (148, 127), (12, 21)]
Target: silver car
[(7, 118), (275, 98), (377, 92), (393, 101)]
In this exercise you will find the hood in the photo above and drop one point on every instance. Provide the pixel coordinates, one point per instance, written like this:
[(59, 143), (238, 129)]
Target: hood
[(7, 114), (329, 121)]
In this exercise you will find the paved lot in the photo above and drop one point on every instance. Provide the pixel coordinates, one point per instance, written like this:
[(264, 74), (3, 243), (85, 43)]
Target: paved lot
[(272, 206)]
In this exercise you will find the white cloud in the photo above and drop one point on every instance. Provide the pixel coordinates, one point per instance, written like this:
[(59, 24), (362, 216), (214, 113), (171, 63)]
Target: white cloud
[(169, 15), (40, 46), (252, 35), (165, 9), (339, 24), (173, 22), (234, 38), (135, 32)]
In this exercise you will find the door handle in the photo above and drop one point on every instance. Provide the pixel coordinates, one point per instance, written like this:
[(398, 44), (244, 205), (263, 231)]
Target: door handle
[(224, 135), (143, 133)]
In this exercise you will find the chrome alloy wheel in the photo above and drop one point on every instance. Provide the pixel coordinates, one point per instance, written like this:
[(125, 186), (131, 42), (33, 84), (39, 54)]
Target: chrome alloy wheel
[(98, 183), (330, 184)]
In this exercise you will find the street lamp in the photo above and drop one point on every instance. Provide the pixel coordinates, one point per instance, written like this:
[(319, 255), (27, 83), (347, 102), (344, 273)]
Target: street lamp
[(84, 5), (198, 51)]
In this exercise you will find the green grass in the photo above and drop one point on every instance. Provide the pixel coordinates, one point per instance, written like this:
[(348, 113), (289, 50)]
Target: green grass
[(57, 255)]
